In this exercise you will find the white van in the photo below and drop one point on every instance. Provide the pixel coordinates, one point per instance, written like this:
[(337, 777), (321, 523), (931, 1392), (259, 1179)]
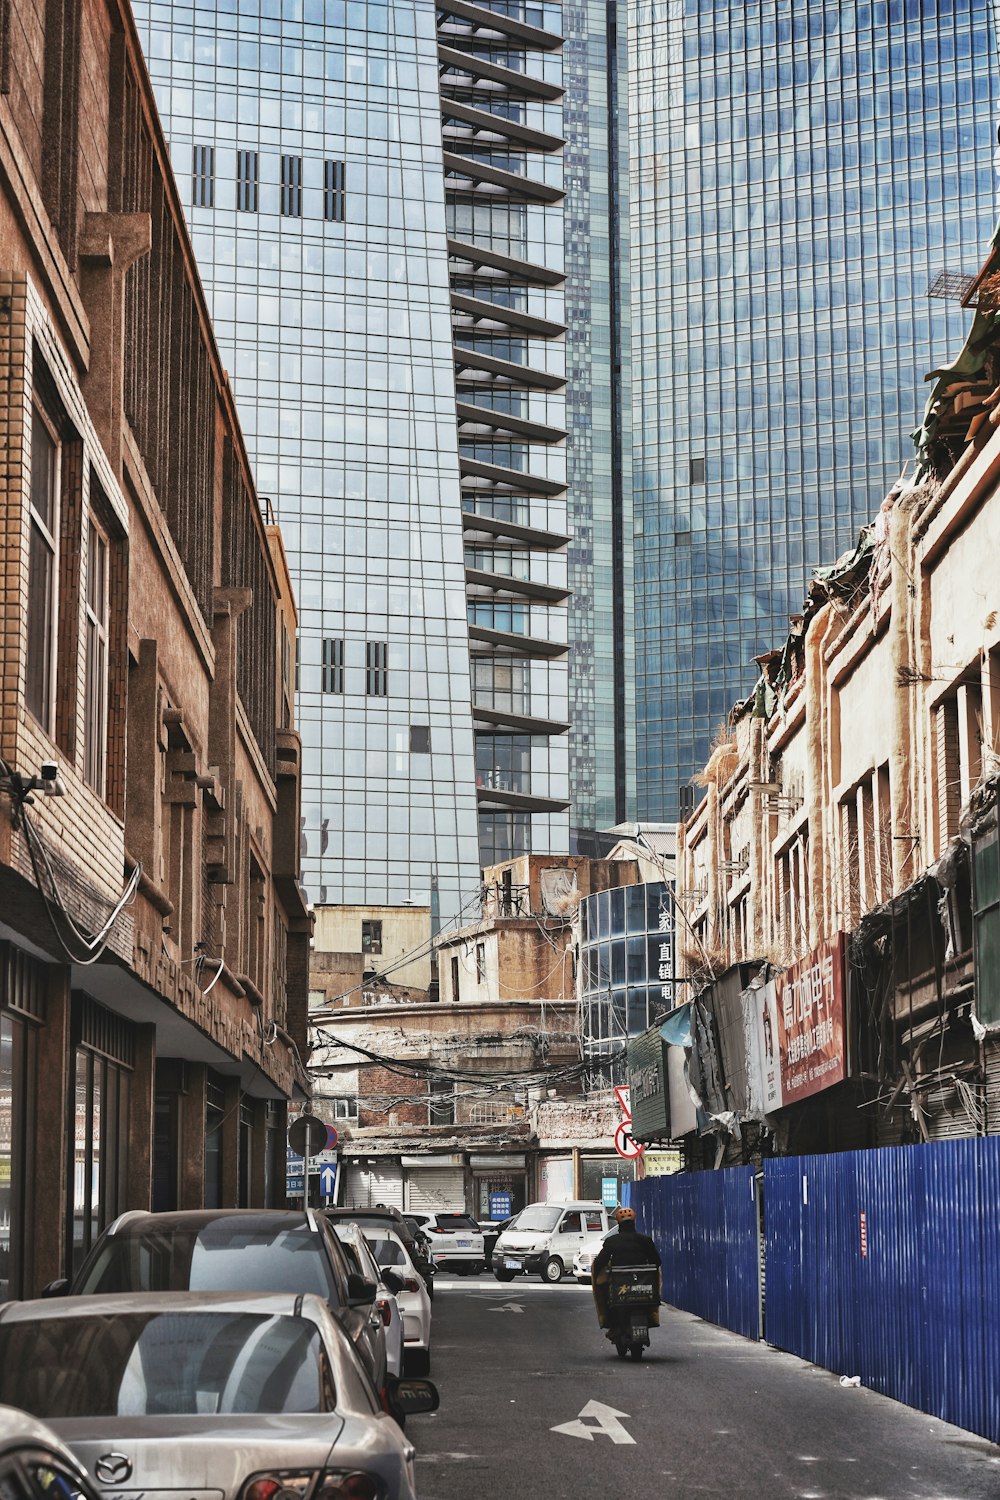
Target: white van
[(546, 1237)]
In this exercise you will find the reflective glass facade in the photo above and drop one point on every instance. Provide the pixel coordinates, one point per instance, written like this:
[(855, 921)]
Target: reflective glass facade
[(318, 218), (626, 972), (598, 416), (801, 174)]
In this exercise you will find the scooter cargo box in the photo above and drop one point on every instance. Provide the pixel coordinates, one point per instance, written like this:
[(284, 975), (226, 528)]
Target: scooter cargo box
[(633, 1286)]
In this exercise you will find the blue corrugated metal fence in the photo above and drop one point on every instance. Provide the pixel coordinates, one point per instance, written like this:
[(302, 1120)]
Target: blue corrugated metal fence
[(705, 1227), (886, 1264), (883, 1264)]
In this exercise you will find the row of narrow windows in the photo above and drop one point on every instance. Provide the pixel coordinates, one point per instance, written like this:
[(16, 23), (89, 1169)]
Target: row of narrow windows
[(248, 184), (376, 668)]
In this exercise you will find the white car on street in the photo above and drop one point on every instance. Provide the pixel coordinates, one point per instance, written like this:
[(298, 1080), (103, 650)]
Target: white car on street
[(546, 1237), (404, 1280), (358, 1251), (588, 1252), (456, 1240)]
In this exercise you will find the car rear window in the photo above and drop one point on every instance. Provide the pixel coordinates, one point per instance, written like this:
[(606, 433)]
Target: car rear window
[(226, 1255), (163, 1364), (388, 1253), (456, 1221)]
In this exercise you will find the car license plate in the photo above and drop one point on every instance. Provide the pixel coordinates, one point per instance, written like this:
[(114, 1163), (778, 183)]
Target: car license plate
[(465, 1244), (512, 1265)]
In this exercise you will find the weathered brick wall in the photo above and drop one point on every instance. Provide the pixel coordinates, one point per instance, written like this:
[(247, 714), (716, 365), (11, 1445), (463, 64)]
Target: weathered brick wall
[(190, 788)]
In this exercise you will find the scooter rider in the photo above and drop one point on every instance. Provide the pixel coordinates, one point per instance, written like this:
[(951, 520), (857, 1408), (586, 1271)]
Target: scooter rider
[(626, 1248)]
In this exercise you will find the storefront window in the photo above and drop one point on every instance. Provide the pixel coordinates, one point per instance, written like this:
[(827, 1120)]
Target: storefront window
[(102, 1069), (595, 1172), (214, 1115), (17, 1094)]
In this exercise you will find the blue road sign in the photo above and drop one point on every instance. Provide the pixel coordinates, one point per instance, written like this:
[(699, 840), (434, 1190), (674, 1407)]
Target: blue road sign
[(294, 1184), (328, 1181)]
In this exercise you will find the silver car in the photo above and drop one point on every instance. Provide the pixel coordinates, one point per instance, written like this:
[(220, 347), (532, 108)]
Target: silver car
[(209, 1395), (35, 1465)]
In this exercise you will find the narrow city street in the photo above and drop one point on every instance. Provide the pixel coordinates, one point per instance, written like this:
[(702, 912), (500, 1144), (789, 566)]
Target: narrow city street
[(705, 1414)]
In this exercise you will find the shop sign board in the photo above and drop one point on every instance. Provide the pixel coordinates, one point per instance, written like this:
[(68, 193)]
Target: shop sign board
[(649, 1095), (609, 1192), (501, 1206), (809, 1001)]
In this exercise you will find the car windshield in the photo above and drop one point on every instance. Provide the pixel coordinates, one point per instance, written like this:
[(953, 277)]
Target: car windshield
[(162, 1364), (388, 1253), (540, 1217), (224, 1255), (452, 1222)]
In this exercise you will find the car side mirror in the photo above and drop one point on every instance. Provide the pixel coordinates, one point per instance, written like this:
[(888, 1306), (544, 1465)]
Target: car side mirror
[(392, 1280), (360, 1291), (412, 1398), (59, 1288)]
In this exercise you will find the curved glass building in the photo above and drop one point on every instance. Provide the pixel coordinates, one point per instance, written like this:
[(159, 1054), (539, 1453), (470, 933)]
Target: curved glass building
[(809, 180)]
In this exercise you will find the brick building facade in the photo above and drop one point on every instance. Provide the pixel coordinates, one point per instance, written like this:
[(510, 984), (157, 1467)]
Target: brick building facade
[(150, 909)]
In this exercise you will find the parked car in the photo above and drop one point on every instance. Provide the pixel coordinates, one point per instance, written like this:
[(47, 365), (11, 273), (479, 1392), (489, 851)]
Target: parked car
[(584, 1258), (492, 1230), (456, 1241), (546, 1237), (193, 1393), (378, 1220), (400, 1274), (360, 1258), (35, 1464), (232, 1250)]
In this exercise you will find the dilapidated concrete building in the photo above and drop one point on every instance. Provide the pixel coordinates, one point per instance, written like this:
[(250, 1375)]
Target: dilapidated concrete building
[(473, 1092), (851, 810)]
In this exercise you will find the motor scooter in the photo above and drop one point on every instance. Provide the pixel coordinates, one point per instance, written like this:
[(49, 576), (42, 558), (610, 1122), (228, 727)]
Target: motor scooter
[(633, 1307)]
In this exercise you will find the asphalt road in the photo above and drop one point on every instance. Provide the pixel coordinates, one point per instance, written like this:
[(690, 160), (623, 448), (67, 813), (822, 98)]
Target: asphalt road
[(708, 1414)]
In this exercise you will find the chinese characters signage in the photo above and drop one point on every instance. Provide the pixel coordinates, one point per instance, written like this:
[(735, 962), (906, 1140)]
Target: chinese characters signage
[(809, 1011)]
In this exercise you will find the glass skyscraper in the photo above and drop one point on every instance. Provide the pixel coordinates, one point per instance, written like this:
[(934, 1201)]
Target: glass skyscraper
[(598, 416), (306, 136), (501, 108), (802, 173)]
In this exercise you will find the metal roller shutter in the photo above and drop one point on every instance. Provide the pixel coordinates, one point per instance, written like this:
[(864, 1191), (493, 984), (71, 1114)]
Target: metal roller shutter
[(366, 1186), (431, 1188)]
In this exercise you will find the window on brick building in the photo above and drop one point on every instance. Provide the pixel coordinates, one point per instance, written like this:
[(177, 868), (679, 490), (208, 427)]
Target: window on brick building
[(43, 557), (203, 176), (456, 993), (480, 963), (246, 181), (95, 726), (334, 191), (291, 186), (371, 936), (441, 1108)]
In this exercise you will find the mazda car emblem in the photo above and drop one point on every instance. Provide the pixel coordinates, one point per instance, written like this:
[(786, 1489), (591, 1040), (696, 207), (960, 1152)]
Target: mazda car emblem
[(113, 1468)]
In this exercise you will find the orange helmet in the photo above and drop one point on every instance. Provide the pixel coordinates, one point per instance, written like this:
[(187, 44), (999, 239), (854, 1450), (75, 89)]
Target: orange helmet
[(624, 1216)]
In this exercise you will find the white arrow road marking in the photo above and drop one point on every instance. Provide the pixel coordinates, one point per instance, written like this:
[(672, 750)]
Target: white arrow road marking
[(508, 1307), (605, 1420)]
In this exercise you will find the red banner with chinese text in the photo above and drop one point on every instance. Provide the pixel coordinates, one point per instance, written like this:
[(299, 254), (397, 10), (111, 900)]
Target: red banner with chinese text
[(810, 1004)]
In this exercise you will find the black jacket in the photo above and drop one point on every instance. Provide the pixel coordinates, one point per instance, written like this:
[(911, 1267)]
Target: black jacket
[(626, 1248)]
